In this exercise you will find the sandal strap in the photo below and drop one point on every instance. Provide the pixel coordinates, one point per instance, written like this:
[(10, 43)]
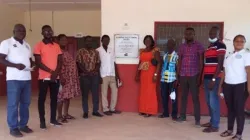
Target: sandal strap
[(226, 133)]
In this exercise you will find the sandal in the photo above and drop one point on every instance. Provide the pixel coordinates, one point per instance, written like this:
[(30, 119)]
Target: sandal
[(142, 114), (226, 133), (69, 117), (62, 120), (147, 115), (236, 137)]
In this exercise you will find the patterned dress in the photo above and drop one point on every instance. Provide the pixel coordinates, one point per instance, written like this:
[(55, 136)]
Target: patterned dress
[(68, 78)]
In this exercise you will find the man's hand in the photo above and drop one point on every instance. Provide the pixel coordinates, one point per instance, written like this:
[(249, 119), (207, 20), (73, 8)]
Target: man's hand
[(53, 76), (20, 66), (101, 80), (198, 81), (176, 83), (211, 85)]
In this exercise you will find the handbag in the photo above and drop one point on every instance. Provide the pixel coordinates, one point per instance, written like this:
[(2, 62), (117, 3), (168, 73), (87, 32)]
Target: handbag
[(154, 62)]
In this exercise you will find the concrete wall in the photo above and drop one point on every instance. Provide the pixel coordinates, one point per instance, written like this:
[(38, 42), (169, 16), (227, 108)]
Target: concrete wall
[(140, 16)]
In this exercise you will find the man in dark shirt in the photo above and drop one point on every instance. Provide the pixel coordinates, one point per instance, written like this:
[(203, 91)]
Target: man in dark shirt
[(88, 61)]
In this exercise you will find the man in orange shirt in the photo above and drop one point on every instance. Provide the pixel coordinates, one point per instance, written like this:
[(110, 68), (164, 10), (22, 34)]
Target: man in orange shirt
[(48, 58)]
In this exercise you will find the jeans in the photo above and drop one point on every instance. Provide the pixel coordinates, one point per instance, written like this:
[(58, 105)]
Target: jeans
[(54, 88), (19, 95), (213, 101), (189, 84), (90, 84), (166, 89), (235, 97)]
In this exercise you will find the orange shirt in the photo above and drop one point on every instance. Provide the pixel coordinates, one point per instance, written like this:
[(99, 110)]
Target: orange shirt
[(49, 55)]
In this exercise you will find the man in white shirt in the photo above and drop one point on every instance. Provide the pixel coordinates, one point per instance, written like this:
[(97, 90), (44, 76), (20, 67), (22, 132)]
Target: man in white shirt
[(15, 53), (109, 75)]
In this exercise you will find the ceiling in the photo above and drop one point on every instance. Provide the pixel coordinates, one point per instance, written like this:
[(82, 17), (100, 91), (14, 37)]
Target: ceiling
[(54, 5)]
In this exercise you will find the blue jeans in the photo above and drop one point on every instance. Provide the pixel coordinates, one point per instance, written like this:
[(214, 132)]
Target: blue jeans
[(18, 94), (213, 102)]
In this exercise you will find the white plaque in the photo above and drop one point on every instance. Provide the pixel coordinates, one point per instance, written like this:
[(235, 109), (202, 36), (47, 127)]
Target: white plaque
[(126, 45)]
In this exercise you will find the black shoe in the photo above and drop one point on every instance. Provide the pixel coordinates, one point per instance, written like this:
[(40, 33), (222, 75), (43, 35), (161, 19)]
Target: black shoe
[(85, 115), (108, 113), (116, 112), (43, 126), (163, 116), (26, 129), (55, 123), (16, 133), (97, 114)]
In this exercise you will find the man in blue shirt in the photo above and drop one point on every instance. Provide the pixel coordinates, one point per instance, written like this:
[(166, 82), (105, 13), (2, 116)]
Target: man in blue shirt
[(169, 79)]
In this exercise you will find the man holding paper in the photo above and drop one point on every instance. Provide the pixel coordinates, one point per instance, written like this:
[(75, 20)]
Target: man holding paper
[(110, 76), (15, 53), (169, 80)]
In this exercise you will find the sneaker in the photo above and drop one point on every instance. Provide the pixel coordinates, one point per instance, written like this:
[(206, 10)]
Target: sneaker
[(197, 124), (85, 115), (43, 126), (97, 114), (181, 119), (116, 112), (26, 129), (16, 133), (55, 123), (108, 113)]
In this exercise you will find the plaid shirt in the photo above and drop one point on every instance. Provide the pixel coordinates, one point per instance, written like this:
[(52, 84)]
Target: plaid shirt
[(168, 73), (190, 58)]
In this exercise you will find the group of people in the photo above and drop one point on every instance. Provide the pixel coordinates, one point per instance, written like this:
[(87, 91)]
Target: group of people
[(64, 76), (190, 67), (223, 76)]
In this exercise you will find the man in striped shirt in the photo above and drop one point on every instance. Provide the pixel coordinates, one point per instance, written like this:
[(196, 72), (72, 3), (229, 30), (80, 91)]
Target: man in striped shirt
[(214, 57), (169, 79)]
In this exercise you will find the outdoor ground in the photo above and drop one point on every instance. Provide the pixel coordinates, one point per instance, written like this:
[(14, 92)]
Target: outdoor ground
[(126, 126)]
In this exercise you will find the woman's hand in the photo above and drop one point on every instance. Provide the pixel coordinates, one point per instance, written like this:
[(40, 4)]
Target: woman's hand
[(137, 78), (154, 78), (248, 88)]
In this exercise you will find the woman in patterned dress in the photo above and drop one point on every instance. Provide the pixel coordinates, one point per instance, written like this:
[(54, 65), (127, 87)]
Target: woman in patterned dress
[(70, 86)]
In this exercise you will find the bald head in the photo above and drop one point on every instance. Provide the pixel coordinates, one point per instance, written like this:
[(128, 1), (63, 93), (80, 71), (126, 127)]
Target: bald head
[(19, 32), (171, 45)]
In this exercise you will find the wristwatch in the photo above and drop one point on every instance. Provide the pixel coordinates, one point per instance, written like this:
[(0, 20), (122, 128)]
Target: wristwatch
[(213, 79)]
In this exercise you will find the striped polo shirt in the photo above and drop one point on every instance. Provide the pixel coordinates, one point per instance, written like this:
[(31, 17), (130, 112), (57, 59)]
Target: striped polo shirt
[(211, 58)]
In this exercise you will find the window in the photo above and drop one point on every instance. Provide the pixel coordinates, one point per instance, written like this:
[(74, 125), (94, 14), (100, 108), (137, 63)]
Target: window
[(166, 30)]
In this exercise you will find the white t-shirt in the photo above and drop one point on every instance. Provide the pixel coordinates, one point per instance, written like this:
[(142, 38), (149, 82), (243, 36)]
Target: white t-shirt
[(235, 67), (18, 54), (107, 61)]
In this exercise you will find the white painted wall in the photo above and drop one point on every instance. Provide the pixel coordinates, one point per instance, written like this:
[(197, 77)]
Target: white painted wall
[(9, 16), (66, 22), (140, 16)]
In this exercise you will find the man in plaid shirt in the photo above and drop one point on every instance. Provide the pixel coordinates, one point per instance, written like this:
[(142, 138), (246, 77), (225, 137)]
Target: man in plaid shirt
[(190, 70), (169, 79)]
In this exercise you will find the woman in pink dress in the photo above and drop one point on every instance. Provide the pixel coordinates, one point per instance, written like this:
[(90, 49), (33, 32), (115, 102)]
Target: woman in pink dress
[(69, 81)]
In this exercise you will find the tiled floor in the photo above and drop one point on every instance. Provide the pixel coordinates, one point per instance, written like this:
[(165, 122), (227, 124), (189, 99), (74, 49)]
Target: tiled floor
[(127, 126)]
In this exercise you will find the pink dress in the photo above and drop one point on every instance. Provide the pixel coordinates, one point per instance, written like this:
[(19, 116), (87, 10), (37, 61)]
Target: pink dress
[(68, 78)]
